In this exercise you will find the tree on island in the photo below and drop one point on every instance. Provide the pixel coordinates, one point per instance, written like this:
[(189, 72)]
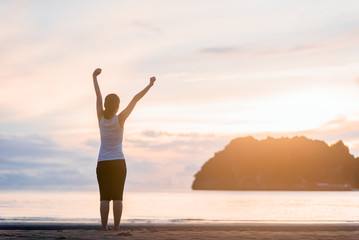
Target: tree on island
[(296, 163)]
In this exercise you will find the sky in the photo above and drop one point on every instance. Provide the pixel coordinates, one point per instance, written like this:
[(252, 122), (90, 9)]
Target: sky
[(225, 69)]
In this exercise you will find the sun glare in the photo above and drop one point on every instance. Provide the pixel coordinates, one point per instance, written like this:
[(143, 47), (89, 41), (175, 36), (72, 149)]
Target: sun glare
[(297, 111)]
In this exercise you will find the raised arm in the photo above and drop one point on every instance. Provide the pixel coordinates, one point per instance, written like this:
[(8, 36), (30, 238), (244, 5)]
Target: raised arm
[(127, 111), (99, 108)]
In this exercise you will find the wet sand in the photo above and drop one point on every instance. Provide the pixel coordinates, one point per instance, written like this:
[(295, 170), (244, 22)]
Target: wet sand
[(181, 231)]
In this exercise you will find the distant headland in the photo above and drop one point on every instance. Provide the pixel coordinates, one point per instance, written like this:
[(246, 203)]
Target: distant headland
[(296, 163)]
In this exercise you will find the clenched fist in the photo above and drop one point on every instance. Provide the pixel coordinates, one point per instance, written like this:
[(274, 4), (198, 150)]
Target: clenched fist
[(97, 72), (152, 80)]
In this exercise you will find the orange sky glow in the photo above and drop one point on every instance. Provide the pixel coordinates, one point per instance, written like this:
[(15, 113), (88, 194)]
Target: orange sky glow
[(224, 69)]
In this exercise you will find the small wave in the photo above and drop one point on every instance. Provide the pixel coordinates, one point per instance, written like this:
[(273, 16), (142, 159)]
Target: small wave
[(49, 219)]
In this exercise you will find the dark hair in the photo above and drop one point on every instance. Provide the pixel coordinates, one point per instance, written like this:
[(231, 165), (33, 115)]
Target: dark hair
[(112, 102)]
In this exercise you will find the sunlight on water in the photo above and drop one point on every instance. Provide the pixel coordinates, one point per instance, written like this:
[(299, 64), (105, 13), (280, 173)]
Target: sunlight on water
[(190, 206)]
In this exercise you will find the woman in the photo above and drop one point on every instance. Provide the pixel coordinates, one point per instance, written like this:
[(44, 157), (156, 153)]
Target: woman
[(111, 166)]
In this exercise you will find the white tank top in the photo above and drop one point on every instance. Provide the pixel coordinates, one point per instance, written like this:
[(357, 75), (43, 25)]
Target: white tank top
[(111, 139)]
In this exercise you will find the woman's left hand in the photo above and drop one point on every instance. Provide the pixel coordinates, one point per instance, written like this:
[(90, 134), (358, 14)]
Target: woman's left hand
[(152, 80)]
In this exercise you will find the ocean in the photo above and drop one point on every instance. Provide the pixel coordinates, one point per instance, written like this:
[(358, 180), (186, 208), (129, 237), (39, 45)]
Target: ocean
[(185, 207)]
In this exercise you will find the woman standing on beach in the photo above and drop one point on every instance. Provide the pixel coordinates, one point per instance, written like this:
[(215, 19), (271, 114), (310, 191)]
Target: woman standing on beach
[(111, 166)]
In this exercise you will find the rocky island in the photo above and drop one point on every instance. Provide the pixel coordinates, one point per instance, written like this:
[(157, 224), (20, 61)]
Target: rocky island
[(296, 163)]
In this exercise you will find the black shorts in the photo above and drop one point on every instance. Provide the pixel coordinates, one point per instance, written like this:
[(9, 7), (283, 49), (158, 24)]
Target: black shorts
[(111, 176)]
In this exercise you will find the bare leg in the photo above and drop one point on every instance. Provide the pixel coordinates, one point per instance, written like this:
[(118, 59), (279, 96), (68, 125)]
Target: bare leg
[(104, 209), (117, 212)]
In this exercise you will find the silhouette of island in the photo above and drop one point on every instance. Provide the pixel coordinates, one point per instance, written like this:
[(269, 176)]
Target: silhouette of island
[(296, 163)]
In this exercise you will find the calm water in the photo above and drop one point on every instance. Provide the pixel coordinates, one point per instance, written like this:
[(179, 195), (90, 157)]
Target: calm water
[(187, 207)]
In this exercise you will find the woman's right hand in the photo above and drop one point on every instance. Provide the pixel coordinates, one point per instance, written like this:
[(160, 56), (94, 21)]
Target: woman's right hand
[(97, 72)]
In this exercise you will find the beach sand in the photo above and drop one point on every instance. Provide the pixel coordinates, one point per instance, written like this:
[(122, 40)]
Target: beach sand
[(181, 231)]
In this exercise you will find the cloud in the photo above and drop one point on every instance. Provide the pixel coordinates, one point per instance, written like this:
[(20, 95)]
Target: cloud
[(37, 148), (37, 162), (167, 160), (92, 143), (34, 146), (155, 134), (147, 26), (186, 143), (338, 121), (346, 130), (47, 179), (270, 48), (186, 146), (160, 161), (155, 159), (220, 50), (265, 51), (150, 133)]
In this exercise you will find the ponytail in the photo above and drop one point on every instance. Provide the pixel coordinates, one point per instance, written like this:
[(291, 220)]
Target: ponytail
[(107, 114)]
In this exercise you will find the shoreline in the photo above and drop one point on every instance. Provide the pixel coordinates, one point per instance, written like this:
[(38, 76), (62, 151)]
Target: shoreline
[(343, 226), (160, 231)]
